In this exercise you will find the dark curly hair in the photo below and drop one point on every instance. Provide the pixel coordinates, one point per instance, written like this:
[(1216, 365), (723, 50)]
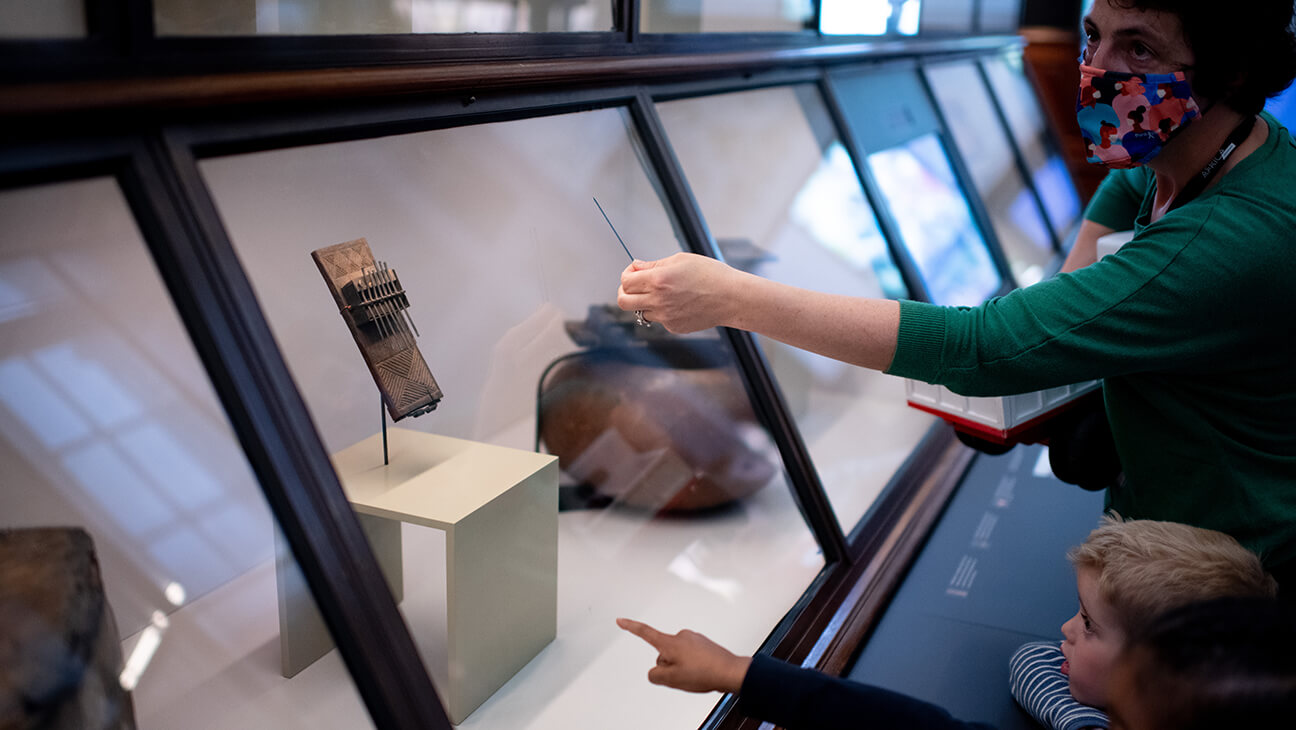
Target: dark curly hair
[(1244, 54)]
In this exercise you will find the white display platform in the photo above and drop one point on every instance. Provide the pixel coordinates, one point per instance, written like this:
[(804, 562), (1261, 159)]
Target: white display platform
[(498, 508)]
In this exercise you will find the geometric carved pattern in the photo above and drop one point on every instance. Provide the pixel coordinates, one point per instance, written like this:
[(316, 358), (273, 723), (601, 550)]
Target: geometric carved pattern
[(374, 306)]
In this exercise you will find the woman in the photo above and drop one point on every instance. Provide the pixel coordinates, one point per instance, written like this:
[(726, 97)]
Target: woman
[(1189, 324)]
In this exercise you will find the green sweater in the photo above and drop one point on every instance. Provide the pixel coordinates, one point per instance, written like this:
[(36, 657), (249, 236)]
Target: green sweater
[(1192, 327)]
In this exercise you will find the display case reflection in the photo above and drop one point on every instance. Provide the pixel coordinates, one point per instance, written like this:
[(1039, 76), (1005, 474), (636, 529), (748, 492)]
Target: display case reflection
[(776, 185), (650, 420), (347, 17), (120, 470), (1015, 95), (987, 151), (935, 221), (504, 257)]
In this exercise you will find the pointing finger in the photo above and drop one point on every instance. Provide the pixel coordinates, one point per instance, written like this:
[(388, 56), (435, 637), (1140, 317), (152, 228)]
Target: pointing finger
[(643, 631)]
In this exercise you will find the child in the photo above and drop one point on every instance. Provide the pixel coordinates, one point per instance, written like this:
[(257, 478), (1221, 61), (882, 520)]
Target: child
[(786, 695), (1127, 573), (1224, 663)]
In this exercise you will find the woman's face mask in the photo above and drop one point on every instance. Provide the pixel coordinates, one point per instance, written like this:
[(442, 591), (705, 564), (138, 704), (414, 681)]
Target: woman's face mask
[(1127, 119)]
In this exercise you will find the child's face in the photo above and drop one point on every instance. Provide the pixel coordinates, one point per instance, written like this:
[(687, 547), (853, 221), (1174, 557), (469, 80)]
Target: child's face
[(1093, 640)]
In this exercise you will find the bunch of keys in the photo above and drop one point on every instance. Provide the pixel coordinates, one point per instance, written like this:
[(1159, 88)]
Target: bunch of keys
[(639, 318)]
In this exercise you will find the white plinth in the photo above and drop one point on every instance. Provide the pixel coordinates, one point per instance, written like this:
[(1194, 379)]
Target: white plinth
[(498, 508)]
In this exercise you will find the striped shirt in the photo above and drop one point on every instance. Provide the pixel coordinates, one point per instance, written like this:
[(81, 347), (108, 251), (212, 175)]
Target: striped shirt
[(1039, 686)]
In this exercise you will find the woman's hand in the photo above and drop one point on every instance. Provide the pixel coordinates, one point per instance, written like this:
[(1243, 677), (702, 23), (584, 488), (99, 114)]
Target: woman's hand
[(687, 293), (684, 292), (690, 661)]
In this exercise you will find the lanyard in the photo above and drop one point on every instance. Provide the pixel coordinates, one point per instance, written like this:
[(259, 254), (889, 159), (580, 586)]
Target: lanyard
[(1203, 178)]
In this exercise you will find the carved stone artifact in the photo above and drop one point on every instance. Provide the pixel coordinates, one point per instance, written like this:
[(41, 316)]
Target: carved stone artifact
[(60, 654)]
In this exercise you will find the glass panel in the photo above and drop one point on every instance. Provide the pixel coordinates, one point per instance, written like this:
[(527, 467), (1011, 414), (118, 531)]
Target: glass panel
[(42, 19), (672, 505), (348, 17), (870, 17), (1000, 16), (784, 201), (1029, 128), (947, 16), (987, 150), (725, 16), (110, 428), (920, 188)]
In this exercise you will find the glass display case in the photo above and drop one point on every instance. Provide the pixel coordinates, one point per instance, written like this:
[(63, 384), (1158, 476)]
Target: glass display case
[(998, 16), (673, 504), (899, 131), (725, 16), (113, 438), (222, 218), (1016, 97), (984, 145), (174, 18), (947, 16), (780, 193), (46, 19), (871, 17)]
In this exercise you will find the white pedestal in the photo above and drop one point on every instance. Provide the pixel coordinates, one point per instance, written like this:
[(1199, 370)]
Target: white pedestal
[(498, 508)]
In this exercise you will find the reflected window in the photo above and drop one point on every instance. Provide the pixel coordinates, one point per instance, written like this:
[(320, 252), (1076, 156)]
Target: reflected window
[(856, 17), (49, 19), (987, 150), (935, 221), (947, 16), (1016, 96), (347, 17), (671, 498), (784, 201), (117, 453), (725, 16), (999, 16)]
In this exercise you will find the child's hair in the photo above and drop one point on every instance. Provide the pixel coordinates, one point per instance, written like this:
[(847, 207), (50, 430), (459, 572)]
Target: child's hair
[(1146, 567), (1229, 662)]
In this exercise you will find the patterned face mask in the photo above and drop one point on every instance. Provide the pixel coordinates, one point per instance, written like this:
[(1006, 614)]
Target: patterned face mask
[(1127, 119)]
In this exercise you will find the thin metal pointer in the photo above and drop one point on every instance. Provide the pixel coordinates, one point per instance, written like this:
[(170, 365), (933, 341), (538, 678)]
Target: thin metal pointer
[(639, 318)]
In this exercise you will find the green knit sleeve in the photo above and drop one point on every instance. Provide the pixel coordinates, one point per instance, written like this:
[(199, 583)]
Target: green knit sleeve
[(920, 341)]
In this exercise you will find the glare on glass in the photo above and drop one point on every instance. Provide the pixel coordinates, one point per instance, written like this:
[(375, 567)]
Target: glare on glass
[(935, 221), (869, 17), (985, 147), (947, 16), (117, 450), (724, 16), (784, 200), (348, 17), (1021, 106), (671, 503)]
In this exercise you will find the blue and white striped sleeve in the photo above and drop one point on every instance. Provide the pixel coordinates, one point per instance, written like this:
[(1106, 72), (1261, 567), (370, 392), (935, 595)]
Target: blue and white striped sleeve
[(1039, 686)]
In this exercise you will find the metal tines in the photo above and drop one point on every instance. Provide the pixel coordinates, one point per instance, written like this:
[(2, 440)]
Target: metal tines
[(385, 302)]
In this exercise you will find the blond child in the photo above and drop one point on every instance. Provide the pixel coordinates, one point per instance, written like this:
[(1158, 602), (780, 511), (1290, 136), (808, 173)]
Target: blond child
[(1127, 574)]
